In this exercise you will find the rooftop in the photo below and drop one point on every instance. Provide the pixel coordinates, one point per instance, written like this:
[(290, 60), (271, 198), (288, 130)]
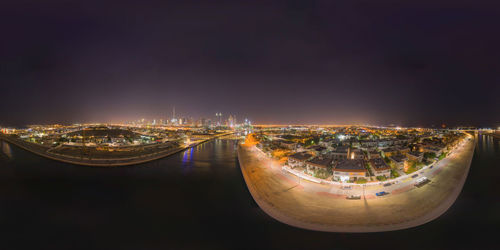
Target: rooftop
[(433, 148), (398, 158), (317, 148), (352, 165), (341, 150), (392, 149), (301, 156), (321, 161), (415, 153), (379, 164)]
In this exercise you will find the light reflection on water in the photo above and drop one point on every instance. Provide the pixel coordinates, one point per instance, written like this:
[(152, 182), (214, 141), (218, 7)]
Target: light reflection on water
[(6, 149), (487, 145), (203, 156)]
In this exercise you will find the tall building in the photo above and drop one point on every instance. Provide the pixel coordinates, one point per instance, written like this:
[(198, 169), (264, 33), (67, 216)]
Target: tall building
[(200, 122), (174, 120), (183, 121), (230, 122), (189, 121), (218, 117)]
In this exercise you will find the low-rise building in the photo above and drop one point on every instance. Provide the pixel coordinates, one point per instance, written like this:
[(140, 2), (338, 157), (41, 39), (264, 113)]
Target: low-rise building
[(340, 153), (373, 154), (399, 161), (299, 159), (356, 154), (288, 144), (403, 150), (385, 143), (369, 144), (327, 143), (415, 156), (318, 150), (349, 170), (401, 141), (380, 168), (435, 150), (388, 152), (318, 163)]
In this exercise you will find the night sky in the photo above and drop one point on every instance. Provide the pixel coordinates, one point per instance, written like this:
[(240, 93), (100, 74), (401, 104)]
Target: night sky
[(410, 63)]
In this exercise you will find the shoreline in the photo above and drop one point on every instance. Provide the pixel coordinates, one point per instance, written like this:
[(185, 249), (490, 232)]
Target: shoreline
[(494, 135), (126, 162), (325, 211)]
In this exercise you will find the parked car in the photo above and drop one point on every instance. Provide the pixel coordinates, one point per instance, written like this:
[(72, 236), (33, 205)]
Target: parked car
[(431, 166), (381, 193), (414, 176), (422, 181), (387, 184), (353, 197), (346, 187)]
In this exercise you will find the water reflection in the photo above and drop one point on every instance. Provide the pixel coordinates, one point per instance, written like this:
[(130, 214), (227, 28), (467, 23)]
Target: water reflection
[(6, 150), (187, 160), (488, 144)]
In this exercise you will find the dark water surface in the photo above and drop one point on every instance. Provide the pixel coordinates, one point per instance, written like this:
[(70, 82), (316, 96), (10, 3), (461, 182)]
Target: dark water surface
[(198, 199)]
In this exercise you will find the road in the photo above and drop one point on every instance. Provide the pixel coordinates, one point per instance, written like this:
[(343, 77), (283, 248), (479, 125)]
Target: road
[(323, 207)]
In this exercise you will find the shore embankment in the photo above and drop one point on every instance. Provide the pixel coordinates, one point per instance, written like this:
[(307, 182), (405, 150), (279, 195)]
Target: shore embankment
[(44, 152), (496, 135)]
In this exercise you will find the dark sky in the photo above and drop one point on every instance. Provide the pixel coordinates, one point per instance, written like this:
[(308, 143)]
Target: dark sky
[(381, 62)]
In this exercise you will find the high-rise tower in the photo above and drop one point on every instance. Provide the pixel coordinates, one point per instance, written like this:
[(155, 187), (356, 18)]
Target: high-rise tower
[(174, 120)]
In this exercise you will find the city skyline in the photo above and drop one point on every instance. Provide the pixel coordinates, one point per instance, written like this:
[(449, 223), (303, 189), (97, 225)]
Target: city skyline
[(188, 119)]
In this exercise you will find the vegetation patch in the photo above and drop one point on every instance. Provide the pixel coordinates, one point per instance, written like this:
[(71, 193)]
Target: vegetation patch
[(429, 155), (361, 181), (442, 156), (394, 173), (322, 173)]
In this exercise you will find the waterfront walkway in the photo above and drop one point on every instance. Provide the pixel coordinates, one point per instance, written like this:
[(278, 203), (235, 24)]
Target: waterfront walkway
[(324, 207)]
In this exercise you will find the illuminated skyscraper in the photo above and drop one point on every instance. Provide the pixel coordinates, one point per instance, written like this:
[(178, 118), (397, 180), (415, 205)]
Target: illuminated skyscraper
[(218, 117), (174, 120), (230, 121)]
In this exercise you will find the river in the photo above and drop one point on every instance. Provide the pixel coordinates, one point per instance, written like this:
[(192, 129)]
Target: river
[(197, 199)]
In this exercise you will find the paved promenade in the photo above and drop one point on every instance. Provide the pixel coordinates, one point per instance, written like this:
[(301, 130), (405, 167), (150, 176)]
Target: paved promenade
[(324, 207)]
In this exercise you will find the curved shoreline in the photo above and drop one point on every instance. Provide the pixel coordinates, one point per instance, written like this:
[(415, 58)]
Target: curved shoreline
[(126, 162), (297, 207)]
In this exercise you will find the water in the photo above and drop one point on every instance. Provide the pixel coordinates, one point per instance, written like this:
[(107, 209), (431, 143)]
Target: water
[(197, 199)]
